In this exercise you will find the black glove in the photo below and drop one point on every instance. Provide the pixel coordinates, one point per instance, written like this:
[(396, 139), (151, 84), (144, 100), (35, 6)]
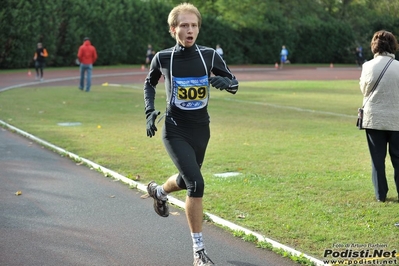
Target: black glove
[(221, 83), (151, 117)]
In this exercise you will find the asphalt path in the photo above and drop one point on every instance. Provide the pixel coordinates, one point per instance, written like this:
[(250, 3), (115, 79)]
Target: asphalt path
[(68, 214)]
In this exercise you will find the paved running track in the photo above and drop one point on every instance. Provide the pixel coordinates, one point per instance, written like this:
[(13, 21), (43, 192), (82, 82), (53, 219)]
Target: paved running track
[(68, 214)]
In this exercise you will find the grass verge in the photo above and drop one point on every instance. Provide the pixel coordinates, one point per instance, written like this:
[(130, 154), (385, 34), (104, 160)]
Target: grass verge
[(305, 169)]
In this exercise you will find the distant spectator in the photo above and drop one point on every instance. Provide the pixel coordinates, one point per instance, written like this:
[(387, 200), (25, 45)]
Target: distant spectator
[(149, 55), (87, 55), (219, 50), (359, 57), (39, 57), (284, 56)]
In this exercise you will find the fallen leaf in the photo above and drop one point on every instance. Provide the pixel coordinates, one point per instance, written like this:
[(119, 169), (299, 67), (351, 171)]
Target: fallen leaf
[(138, 177), (145, 196), (19, 192), (241, 216), (174, 213), (112, 196)]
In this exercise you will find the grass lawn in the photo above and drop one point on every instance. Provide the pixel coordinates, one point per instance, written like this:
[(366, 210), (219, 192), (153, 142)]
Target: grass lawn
[(305, 169)]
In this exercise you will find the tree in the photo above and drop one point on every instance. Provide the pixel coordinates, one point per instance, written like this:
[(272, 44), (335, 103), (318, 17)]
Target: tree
[(250, 31)]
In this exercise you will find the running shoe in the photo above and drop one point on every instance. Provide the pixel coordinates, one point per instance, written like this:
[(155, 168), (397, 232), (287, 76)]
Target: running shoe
[(161, 207), (202, 259)]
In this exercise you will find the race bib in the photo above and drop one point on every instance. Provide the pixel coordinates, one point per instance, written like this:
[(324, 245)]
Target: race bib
[(191, 93)]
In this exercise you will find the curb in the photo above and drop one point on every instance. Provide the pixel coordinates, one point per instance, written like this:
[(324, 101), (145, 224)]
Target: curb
[(110, 173)]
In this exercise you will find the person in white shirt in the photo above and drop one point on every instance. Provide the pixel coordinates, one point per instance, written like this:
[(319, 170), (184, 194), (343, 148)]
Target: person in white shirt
[(381, 110), (219, 50)]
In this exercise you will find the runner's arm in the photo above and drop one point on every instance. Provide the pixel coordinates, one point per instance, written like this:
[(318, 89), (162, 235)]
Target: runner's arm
[(150, 84), (220, 68)]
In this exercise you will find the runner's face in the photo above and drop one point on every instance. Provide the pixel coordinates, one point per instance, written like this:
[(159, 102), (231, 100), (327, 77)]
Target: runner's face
[(187, 29)]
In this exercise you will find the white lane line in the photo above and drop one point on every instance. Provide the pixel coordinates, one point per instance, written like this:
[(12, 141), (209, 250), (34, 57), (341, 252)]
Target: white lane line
[(289, 107), (68, 78), (106, 84), (109, 173), (142, 187)]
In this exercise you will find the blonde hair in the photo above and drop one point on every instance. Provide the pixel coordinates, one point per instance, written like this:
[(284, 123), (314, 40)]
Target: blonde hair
[(182, 8)]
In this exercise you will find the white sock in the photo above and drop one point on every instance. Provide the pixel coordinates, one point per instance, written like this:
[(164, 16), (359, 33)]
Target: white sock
[(198, 241), (161, 194)]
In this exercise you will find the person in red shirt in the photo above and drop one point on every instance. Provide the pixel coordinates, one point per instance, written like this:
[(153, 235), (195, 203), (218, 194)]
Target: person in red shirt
[(87, 55)]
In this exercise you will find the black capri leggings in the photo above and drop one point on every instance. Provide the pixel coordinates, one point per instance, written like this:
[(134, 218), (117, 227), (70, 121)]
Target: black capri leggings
[(39, 66), (186, 147)]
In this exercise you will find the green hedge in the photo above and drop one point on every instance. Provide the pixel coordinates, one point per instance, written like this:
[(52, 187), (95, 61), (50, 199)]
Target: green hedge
[(121, 30)]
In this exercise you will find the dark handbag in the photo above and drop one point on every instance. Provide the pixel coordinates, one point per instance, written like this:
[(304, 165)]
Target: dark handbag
[(359, 122)]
